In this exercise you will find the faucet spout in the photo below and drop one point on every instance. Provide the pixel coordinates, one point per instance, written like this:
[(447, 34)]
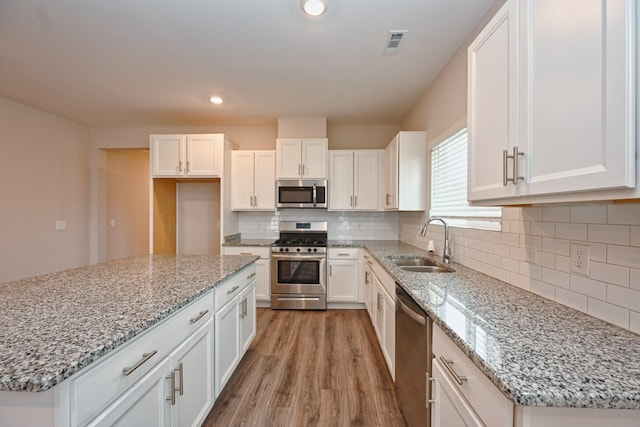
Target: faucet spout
[(446, 255)]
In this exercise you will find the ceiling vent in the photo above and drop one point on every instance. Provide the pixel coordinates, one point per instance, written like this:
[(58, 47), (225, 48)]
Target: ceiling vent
[(393, 41)]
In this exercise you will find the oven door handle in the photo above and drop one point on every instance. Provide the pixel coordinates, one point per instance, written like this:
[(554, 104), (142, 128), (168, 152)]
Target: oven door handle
[(306, 257)]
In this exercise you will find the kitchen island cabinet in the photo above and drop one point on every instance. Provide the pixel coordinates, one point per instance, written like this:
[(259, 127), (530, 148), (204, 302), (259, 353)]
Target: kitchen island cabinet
[(112, 341)]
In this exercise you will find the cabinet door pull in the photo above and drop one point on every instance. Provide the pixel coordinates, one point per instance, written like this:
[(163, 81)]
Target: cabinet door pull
[(180, 166), (251, 275), (232, 290), (351, 202), (505, 156), (299, 169), (355, 201), (331, 270), (180, 371), (448, 364), (145, 356), (303, 169), (379, 306), (429, 401), (366, 277), (516, 172), (188, 166), (198, 317), (172, 379), (255, 201)]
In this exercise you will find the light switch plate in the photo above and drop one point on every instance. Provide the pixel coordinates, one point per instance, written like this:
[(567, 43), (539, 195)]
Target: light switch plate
[(61, 224), (580, 258)]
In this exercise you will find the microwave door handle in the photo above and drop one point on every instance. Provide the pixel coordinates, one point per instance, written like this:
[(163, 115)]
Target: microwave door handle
[(314, 195)]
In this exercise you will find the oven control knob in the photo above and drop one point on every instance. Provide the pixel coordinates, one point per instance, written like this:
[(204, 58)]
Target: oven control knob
[(315, 249), (298, 249), (286, 249)]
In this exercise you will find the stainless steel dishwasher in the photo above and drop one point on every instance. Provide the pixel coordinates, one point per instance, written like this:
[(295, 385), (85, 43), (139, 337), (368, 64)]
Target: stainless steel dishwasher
[(413, 359)]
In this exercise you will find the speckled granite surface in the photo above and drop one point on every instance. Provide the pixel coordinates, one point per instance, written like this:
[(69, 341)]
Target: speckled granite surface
[(536, 351), (250, 242), (56, 324)]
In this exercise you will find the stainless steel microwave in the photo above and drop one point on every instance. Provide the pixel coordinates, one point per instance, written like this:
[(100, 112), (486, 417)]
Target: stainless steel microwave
[(305, 193)]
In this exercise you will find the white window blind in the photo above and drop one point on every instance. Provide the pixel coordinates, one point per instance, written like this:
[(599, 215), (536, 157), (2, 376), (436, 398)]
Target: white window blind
[(449, 186)]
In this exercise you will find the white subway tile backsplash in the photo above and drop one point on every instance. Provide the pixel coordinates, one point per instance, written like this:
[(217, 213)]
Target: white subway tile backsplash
[(571, 231), (616, 234), (511, 265), (543, 289), (608, 312), (520, 281), (634, 279), (634, 235), (623, 297), (511, 214), (609, 273), (563, 263), (623, 255), (634, 322), (571, 299), (502, 250), (544, 229), (593, 214), (589, 287), (556, 278), (546, 260), (531, 270), (532, 214), (627, 214), (556, 214), (556, 246)]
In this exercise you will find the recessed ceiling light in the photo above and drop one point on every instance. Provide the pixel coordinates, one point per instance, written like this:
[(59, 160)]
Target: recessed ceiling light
[(216, 100), (314, 7)]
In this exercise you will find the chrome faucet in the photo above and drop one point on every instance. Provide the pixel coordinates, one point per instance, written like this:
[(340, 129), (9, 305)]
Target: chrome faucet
[(446, 256)]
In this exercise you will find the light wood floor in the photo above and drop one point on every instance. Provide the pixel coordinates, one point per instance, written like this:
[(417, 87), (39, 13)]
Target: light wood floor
[(310, 368)]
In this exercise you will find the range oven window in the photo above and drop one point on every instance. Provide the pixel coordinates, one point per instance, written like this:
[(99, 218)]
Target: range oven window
[(298, 272)]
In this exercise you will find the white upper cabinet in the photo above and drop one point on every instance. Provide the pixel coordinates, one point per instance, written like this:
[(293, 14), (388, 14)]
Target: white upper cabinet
[(253, 180), (298, 158), (492, 83), (552, 103), (187, 155), (353, 178), (405, 172)]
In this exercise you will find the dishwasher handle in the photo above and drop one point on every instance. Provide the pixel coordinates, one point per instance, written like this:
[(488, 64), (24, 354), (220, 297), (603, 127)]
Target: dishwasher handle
[(409, 312)]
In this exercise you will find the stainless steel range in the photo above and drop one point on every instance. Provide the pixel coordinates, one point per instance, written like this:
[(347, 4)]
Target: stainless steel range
[(299, 266)]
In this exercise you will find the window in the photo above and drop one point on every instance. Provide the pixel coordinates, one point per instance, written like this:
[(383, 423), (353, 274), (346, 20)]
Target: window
[(449, 187)]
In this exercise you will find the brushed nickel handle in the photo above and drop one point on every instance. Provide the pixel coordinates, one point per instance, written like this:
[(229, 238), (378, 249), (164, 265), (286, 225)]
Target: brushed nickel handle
[(180, 370), (299, 169), (331, 270), (351, 202), (188, 165), (251, 275), (246, 311), (180, 166), (516, 173), (145, 356), (366, 277), (232, 290), (303, 169), (172, 378), (355, 201), (198, 317), (255, 201), (246, 253), (448, 364), (429, 401), (505, 156), (379, 306), (343, 254)]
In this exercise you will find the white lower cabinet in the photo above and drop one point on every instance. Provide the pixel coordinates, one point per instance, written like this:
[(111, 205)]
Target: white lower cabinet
[(382, 305), (462, 395), (263, 268), (235, 324), (343, 284)]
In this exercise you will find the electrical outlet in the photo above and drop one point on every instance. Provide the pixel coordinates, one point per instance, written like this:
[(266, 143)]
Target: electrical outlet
[(531, 249), (61, 224), (580, 259)]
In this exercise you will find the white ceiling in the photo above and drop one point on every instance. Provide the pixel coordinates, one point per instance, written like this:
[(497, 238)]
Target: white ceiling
[(157, 62)]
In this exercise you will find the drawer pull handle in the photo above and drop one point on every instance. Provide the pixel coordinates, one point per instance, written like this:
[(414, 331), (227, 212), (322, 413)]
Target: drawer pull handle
[(232, 290), (198, 317), (145, 356), (251, 275), (448, 364), (180, 370), (245, 253), (343, 254)]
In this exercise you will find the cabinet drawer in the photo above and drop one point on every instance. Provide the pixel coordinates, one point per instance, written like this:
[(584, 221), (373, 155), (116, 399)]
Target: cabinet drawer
[(262, 252), (232, 287), (97, 387), (487, 401), (385, 278), (344, 253)]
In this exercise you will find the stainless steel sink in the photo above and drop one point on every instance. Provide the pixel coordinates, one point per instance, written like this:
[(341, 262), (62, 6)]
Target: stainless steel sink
[(418, 264)]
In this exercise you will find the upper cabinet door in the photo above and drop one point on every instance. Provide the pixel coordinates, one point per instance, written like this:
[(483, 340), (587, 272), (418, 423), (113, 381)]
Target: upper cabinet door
[(288, 158), (341, 180), (314, 158), (242, 179), (264, 180), (204, 155), (578, 94), (167, 155), (365, 180), (492, 105), (391, 174)]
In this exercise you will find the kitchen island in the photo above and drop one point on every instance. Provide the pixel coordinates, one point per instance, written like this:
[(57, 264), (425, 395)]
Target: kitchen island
[(538, 353), (59, 324)]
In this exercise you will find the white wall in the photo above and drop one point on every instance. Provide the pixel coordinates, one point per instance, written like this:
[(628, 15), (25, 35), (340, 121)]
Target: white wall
[(44, 177)]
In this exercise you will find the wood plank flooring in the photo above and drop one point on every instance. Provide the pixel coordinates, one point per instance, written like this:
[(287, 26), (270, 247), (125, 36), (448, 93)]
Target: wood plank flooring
[(310, 368)]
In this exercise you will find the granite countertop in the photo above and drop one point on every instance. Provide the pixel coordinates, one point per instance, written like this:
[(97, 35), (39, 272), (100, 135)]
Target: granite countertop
[(56, 324), (249, 242), (536, 351)]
